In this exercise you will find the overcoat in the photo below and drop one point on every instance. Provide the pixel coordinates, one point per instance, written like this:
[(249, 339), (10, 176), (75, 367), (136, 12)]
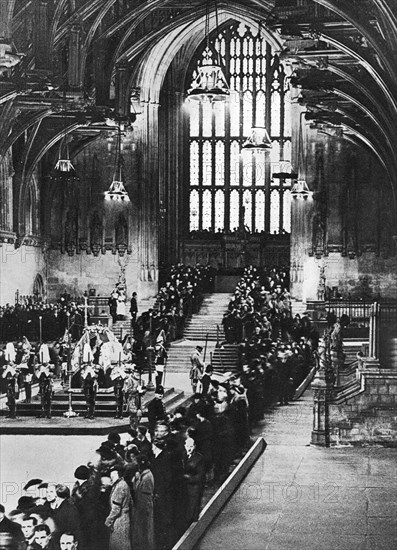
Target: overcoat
[(143, 528), (118, 519)]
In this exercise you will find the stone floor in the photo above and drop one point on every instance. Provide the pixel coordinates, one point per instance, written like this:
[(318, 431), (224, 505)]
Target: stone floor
[(308, 498)]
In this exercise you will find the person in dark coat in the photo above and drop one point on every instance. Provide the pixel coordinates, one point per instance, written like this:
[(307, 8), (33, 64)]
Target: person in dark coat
[(85, 496), (161, 467), (155, 409), (204, 436), (63, 511), (10, 528), (194, 474), (143, 526), (133, 308)]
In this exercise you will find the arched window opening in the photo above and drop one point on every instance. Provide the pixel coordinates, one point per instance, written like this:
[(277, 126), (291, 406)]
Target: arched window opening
[(228, 189)]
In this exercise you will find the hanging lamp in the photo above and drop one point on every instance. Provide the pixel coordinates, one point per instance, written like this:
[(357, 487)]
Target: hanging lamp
[(117, 191), (64, 164), (64, 168), (209, 84), (300, 189), (258, 139)]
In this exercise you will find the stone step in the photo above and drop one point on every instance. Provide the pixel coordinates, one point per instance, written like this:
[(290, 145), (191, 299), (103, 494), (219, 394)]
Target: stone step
[(172, 399)]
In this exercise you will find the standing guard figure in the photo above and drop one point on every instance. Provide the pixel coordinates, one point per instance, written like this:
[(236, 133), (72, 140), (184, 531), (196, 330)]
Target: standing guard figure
[(133, 397), (45, 378), (89, 379), (118, 376), (10, 375)]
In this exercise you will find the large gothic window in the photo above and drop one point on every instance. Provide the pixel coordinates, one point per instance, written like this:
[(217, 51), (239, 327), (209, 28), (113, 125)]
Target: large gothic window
[(229, 188)]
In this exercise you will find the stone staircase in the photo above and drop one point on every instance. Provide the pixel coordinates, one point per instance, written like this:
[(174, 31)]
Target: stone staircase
[(208, 318), (105, 403), (225, 358), (206, 321), (121, 328)]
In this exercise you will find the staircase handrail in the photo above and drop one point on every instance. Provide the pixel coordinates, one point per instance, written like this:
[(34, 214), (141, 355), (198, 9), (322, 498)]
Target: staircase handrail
[(205, 347)]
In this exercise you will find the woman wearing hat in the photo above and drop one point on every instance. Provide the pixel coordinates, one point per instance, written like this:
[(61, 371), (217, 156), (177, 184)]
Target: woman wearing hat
[(118, 520)]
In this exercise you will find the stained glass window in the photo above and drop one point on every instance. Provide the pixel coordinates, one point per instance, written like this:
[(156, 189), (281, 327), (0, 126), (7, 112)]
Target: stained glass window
[(230, 189)]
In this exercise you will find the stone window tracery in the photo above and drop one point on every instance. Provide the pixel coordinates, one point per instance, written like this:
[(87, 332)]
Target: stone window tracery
[(259, 95)]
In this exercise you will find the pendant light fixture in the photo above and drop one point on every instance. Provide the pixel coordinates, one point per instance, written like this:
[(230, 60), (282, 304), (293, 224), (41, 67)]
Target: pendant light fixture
[(209, 84), (64, 168), (300, 189), (258, 139), (117, 191)]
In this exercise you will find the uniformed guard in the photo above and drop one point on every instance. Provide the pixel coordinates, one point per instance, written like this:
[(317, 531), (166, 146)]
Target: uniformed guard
[(45, 379), (133, 392), (10, 374), (118, 376), (89, 378)]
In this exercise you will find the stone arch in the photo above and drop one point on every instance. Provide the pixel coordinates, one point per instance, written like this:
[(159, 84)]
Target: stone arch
[(38, 288), (28, 214)]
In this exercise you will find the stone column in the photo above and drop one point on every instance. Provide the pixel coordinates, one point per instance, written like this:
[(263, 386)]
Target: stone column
[(148, 226)]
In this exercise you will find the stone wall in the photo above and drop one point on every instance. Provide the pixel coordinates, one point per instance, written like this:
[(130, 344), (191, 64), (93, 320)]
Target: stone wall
[(18, 269), (369, 416)]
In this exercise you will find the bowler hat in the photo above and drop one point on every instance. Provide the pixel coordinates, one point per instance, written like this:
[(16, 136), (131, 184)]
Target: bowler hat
[(82, 472)]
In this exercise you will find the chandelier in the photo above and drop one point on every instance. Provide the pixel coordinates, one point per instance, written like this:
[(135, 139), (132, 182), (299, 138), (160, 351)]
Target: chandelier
[(64, 165), (209, 84), (300, 190), (258, 140), (64, 169), (117, 191)]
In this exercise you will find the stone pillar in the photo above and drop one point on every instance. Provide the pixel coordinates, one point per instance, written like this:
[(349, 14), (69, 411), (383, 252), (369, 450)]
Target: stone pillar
[(321, 394), (148, 226)]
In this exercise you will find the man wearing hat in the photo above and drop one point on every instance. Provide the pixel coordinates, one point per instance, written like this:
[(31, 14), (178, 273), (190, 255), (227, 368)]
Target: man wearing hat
[(84, 496), (197, 367), (155, 409), (118, 520)]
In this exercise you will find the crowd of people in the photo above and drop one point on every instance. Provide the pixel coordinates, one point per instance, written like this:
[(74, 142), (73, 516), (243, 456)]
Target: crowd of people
[(144, 494), (180, 296), (39, 320), (275, 349)]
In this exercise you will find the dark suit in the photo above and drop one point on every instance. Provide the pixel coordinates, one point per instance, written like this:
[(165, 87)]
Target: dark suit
[(194, 474), (155, 411), (66, 519), (161, 468), (133, 309), (11, 527)]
